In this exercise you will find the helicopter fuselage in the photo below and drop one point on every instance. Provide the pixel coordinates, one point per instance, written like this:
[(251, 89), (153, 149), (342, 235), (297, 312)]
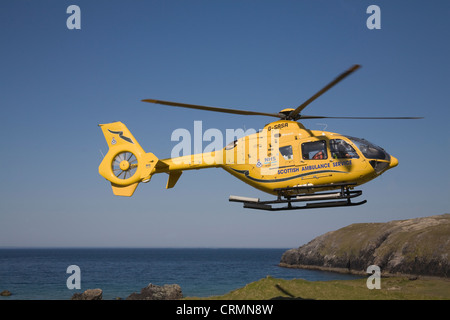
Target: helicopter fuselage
[(285, 154)]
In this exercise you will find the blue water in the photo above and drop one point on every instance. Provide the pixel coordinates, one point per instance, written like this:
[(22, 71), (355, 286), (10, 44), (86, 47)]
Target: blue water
[(32, 274)]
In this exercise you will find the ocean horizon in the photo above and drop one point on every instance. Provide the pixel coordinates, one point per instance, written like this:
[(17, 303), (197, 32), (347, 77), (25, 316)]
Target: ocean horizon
[(43, 273)]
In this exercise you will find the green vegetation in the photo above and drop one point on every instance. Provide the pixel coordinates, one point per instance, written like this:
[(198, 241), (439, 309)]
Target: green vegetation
[(395, 288)]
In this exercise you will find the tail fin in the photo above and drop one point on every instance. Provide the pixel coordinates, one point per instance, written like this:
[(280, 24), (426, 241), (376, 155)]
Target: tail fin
[(126, 164)]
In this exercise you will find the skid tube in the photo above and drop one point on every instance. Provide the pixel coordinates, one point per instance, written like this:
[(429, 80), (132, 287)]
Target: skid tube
[(341, 198)]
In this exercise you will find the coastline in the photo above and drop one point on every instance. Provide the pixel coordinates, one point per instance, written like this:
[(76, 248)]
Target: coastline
[(361, 273)]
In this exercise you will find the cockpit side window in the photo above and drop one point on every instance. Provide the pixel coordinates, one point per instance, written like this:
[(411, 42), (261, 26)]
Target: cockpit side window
[(340, 149), (316, 150)]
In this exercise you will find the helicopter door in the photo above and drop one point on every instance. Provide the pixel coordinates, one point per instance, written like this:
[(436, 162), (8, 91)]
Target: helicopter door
[(315, 160), (344, 155), (340, 149)]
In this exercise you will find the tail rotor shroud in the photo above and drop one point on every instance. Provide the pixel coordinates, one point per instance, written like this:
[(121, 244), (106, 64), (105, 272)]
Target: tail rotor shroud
[(125, 165)]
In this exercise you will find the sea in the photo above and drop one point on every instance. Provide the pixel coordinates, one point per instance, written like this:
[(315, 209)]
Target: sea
[(49, 273)]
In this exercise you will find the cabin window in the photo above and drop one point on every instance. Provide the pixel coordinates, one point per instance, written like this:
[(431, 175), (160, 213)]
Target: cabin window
[(340, 149), (316, 150), (286, 152)]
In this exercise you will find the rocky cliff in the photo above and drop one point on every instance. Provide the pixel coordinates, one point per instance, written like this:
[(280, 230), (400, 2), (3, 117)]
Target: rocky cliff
[(418, 246)]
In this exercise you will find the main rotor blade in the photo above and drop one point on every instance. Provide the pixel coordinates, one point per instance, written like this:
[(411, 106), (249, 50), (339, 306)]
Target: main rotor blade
[(293, 115), (360, 118), (224, 110)]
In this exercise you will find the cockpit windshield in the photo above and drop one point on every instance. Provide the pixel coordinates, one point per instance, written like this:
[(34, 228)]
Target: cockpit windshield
[(369, 150)]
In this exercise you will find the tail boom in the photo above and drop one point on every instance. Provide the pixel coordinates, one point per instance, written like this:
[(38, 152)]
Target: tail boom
[(127, 164)]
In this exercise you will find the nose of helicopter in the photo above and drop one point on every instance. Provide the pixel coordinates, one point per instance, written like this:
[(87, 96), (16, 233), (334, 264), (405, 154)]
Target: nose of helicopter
[(393, 163)]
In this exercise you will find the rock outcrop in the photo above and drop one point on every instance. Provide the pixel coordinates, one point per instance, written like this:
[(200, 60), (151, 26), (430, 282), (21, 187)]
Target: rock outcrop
[(154, 292), (419, 247), (5, 293), (89, 294)]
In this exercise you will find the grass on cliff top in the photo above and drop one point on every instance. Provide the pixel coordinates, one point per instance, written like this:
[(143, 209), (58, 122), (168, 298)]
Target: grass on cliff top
[(395, 288)]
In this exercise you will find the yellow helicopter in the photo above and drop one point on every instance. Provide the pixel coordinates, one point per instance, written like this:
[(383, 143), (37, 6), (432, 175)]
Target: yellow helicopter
[(303, 168)]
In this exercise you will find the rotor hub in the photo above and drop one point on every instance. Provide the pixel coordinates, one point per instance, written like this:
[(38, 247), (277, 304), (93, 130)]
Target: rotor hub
[(285, 113), (124, 165)]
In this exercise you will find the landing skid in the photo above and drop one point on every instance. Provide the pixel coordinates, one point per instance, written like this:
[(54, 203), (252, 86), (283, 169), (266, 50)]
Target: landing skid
[(287, 195)]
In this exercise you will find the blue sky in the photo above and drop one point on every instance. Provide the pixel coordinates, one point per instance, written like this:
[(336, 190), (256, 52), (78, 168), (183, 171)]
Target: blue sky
[(58, 84)]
